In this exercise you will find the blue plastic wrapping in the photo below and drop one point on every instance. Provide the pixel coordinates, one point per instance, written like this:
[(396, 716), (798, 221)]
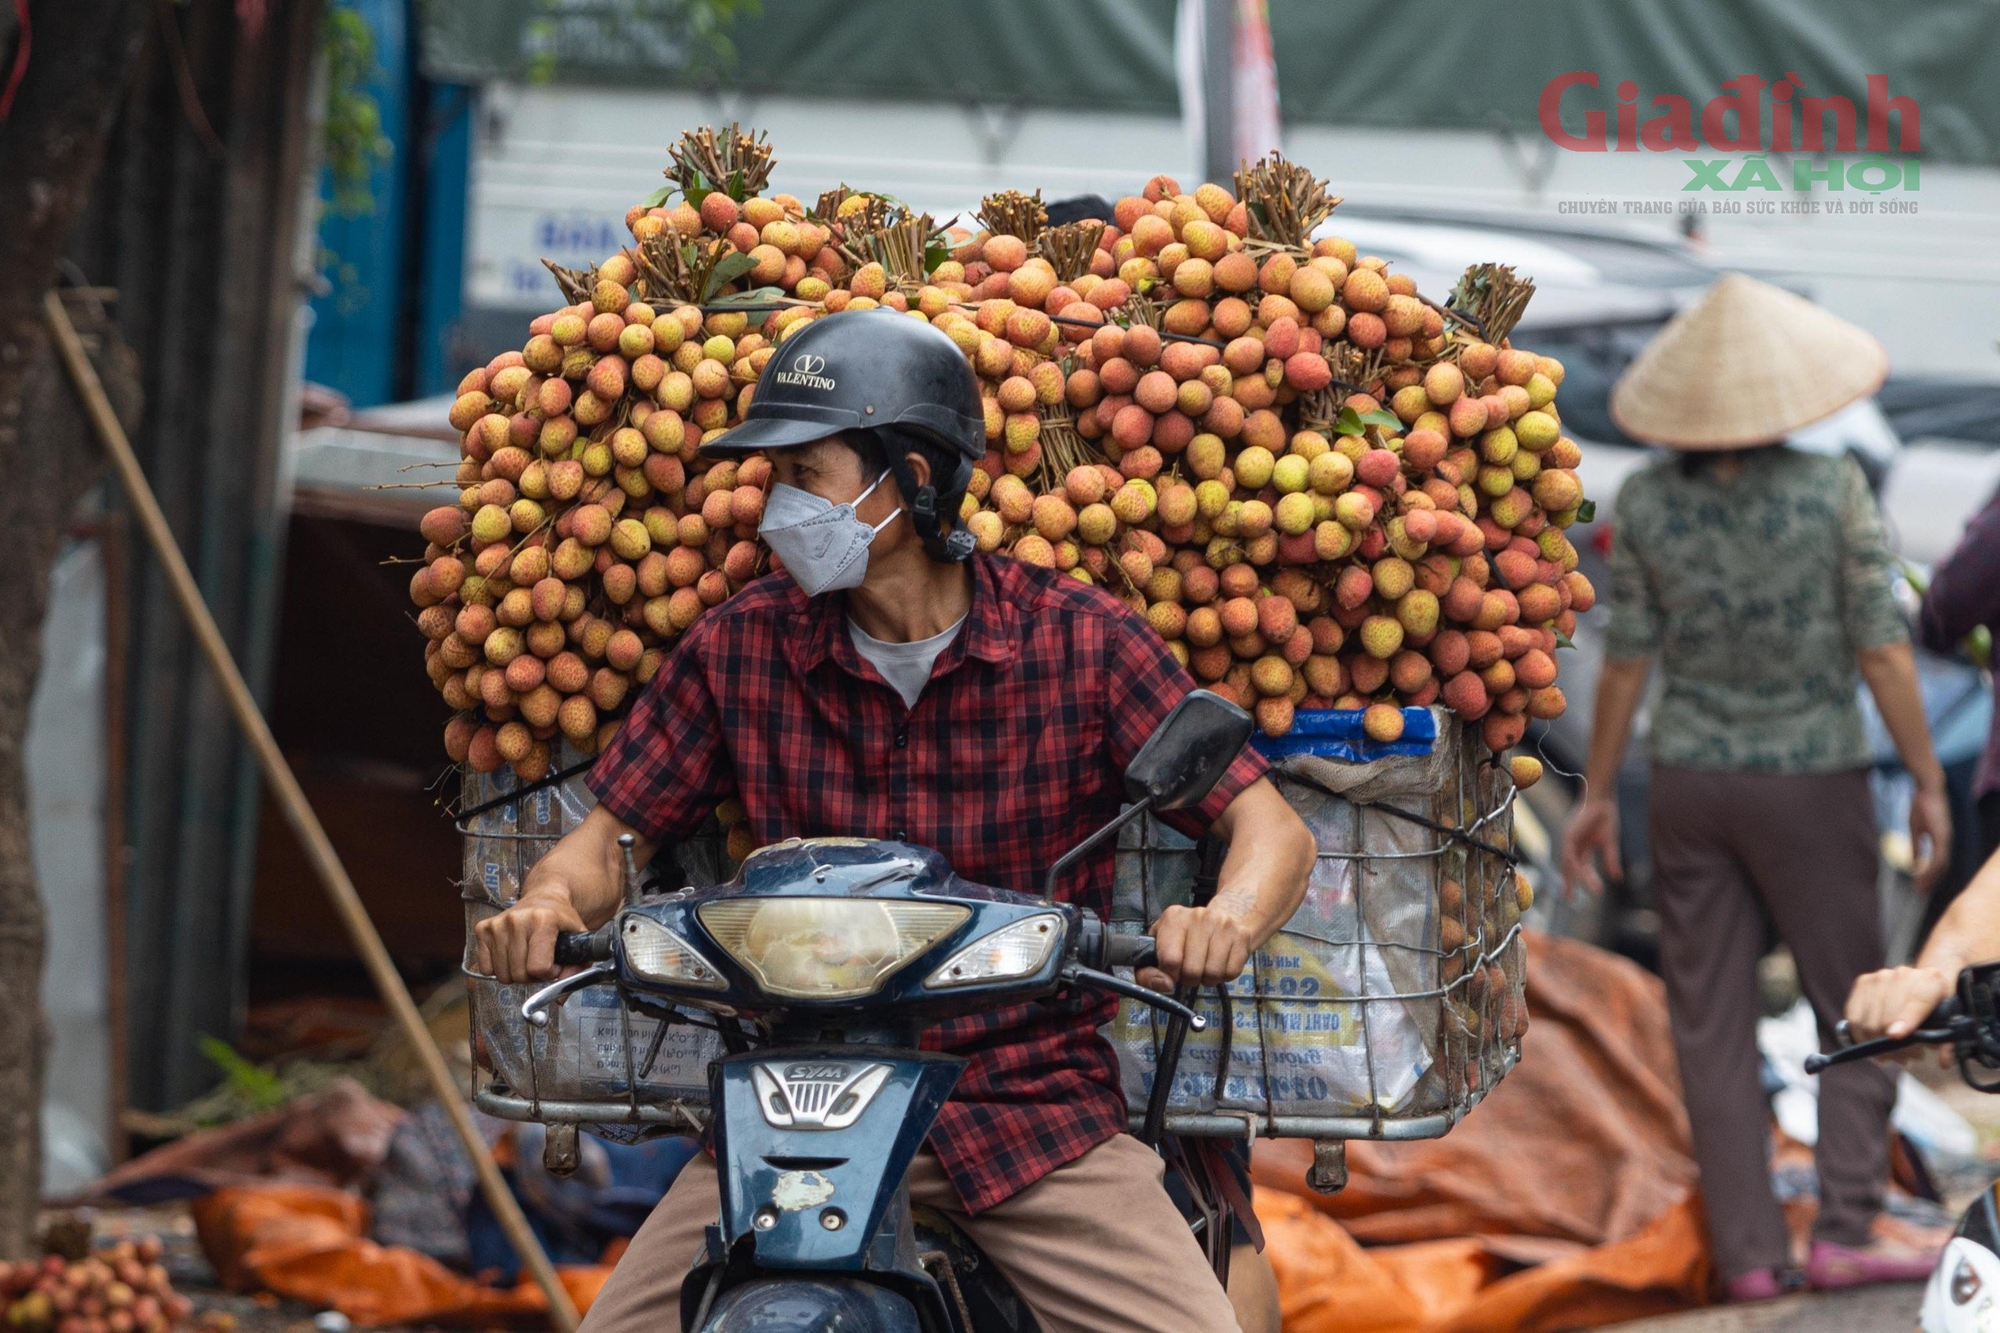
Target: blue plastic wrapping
[(1335, 733)]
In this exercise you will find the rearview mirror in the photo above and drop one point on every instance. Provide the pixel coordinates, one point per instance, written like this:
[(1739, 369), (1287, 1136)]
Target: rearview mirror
[(1187, 755)]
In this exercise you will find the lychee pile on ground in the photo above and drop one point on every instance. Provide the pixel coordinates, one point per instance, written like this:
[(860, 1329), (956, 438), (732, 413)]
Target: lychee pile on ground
[(1323, 490), (123, 1289)]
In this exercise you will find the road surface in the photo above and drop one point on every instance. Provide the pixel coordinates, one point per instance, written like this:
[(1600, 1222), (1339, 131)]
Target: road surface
[(1888, 1309)]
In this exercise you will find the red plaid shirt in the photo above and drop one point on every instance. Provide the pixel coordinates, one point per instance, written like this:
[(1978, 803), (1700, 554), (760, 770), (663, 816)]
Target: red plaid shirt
[(1013, 754)]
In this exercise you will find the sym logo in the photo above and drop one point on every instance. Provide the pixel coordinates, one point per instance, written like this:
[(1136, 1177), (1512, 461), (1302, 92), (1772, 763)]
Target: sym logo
[(815, 1073), (806, 371)]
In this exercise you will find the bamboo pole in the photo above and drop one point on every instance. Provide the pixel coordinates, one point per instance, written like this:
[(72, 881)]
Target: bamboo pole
[(298, 811)]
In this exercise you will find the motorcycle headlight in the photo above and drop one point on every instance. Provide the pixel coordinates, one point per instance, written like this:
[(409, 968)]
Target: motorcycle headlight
[(657, 954), (1018, 950), (826, 948)]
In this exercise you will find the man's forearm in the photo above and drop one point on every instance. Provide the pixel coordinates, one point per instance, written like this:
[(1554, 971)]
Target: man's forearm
[(1270, 860), (587, 867), (1891, 672), (1969, 930)]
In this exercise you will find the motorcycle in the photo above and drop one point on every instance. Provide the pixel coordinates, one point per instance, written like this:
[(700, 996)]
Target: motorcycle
[(1963, 1294), (819, 965)]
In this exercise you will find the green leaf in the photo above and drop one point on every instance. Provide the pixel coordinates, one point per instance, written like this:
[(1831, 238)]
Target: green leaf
[(1563, 640), (1387, 420), (736, 190), (898, 210), (657, 197), (259, 1085), (1348, 422), (755, 296), (727, 270), (1586, 511), (936, 251)]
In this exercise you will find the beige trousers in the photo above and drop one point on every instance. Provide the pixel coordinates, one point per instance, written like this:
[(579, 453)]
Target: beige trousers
[(1093, 1247)]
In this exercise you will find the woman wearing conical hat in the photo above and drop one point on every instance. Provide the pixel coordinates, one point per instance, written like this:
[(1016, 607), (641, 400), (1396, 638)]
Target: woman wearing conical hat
[(1757, 576)]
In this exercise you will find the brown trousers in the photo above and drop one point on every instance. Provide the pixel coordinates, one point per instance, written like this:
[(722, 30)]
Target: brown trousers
[(1729, 848), (1093, 1247)]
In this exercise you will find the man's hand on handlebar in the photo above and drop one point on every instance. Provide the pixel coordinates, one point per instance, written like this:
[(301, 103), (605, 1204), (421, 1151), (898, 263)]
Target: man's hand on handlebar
[(1197, 946), (1262, 882), (520, 944), (577, 886), (1895, 1001)]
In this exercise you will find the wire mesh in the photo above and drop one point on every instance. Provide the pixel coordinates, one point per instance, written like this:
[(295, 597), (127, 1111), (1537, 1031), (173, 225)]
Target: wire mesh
[(1393, 999), (603, 1059)]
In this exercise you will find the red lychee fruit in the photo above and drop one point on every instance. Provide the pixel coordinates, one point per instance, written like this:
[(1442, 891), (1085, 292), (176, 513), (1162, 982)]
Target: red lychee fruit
[(1465, 694)]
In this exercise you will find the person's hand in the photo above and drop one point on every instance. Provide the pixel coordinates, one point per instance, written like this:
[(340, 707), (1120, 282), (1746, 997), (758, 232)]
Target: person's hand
[(520, 944), (1930, 834), (1895, 1001), (1197, 946), (1592, 833)]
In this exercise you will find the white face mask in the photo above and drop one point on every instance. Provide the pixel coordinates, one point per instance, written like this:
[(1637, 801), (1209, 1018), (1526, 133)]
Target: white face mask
[(824, 546)]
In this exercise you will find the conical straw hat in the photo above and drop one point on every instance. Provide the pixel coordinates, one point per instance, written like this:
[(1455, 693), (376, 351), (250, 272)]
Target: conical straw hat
[(1747, 364)]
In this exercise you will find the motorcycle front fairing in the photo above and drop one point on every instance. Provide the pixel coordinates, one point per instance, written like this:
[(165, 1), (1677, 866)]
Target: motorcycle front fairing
[(806, 1187), (816, 1126), (1963, 1295)]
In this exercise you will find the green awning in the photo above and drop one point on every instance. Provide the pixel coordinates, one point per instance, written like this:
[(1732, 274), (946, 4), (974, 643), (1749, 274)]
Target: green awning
[(1116, 54), (1424, 64)]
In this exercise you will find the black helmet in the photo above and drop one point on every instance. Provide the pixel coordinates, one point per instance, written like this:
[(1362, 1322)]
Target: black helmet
[(861, 370), (885, 373)]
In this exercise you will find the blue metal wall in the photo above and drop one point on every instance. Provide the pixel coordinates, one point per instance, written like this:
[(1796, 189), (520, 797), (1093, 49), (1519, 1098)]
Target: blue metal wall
[(354, 337), (384, 327), (447, 161)]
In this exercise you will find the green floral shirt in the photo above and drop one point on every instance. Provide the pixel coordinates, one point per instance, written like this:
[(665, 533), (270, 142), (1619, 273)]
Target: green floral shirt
[(1755, 593)]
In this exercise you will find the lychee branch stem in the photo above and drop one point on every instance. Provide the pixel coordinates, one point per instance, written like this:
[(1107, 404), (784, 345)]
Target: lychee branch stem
[(1090, 324)]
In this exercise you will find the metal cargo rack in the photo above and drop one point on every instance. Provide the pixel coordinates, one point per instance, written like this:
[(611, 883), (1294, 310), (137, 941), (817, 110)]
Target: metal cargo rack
[(1399, 999)]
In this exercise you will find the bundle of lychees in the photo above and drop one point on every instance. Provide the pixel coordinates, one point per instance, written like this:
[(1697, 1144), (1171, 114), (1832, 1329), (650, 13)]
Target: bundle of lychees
[(1321, 489)]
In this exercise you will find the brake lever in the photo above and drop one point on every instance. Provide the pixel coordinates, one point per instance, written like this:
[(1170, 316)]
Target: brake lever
[(1868, 1050), (1078, 975), (535, 1009)]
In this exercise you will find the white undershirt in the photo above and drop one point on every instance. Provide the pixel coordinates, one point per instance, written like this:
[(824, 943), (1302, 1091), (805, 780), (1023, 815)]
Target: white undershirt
[(906, 666)]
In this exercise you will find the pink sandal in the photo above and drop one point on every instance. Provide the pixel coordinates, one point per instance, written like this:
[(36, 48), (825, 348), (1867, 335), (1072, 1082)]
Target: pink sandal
[(1834, 1267), (1759, 1284)]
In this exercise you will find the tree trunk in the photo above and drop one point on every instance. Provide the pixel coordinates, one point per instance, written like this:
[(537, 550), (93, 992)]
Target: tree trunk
[(50, 148)]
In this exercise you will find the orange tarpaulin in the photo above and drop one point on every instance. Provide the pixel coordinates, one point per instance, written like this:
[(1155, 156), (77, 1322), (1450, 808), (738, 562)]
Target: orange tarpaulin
[(1564, 1200), (309, 1242)]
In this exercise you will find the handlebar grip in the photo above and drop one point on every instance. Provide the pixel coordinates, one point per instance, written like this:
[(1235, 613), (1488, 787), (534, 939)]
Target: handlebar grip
[(1133, 951), (574, 948)]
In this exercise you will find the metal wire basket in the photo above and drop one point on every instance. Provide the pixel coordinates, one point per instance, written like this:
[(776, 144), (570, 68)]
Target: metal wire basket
[(1394, 999), (605, 1059)]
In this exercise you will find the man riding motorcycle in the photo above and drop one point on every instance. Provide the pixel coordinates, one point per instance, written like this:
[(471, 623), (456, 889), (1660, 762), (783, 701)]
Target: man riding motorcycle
[(891, 683)]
